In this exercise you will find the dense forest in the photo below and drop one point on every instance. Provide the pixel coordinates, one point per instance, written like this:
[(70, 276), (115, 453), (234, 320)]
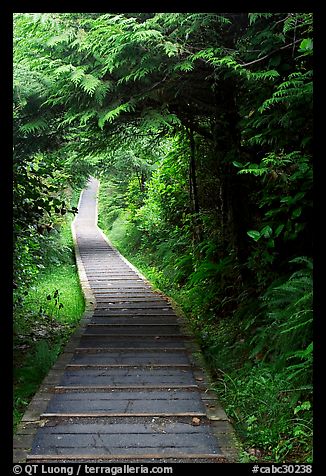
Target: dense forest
[(199, 128)]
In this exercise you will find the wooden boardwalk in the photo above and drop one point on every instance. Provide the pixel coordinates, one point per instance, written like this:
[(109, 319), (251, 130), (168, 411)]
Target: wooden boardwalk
[(128, 386)]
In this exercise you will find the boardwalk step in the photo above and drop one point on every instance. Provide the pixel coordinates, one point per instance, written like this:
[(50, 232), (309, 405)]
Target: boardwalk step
[(129, 376), (131, 299), (124, 358), (86, 388), (136, 350), (154, 335), (124, 436), (126, 294), (137, 331), (158, 457), (85, 349), (131, 306), (126, 366), (134, 313), (136, 320), (113, 403), (132, 325), (143, 342), (119, 415)]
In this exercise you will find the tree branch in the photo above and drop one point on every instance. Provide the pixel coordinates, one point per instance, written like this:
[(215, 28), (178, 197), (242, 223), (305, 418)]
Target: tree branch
[(271, 53)]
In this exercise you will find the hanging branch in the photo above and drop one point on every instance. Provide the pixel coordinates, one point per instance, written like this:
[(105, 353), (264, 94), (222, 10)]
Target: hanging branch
[(271, 53)]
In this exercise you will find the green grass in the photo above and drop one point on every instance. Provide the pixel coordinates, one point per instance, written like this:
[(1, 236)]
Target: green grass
[(57, 294), (46, 317)]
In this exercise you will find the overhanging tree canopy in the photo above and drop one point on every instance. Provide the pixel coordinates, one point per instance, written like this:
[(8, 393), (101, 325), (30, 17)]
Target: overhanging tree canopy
[(242, 82)]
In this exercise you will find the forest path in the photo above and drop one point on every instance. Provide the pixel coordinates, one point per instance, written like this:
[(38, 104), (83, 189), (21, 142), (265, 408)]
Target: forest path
[(128, 386)]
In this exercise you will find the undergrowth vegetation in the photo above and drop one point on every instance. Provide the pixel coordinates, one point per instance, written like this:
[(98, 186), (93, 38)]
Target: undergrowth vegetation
[(45, 313)]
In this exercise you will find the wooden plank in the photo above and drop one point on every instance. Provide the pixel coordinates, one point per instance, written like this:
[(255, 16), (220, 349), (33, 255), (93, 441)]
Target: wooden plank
[(74, 388), (161, 336), (106, 457), (125, 366), (131, 325), (129, 349), (119, 415)]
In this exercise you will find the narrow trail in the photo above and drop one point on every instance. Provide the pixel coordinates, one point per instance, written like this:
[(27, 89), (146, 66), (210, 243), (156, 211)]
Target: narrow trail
[(127, 387)]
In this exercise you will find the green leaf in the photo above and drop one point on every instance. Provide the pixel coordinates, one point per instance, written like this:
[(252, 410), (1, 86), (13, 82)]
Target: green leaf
[(113, 114), (254, 234), (266, 232), (253, 17), (271, 243), (306, 46), (279, 229), (304, 406), (77, 75), (296, 213)]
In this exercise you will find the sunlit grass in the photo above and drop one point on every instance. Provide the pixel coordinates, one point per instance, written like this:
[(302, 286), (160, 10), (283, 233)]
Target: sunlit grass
[(58, 294)]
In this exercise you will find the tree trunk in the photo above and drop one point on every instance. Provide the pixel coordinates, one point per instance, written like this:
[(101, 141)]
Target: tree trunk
[(192, 172), (231, 196), (193, 188)]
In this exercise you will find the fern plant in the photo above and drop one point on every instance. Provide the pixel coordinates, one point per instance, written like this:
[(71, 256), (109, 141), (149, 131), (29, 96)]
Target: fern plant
[(288, 317)]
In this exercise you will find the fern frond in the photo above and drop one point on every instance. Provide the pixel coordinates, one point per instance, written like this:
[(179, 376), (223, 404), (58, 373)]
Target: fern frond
[(171, 49), (77, 75), (113, 114), (70, 117), (253, 17), (262, 75), (87, 116), (65, 68), (89, 83), (184, 66), (147, 35), (101, 91), (34, 126), (64, 37)]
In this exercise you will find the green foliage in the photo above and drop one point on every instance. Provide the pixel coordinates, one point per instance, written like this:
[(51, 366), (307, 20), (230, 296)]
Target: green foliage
[(289, 317), (297, 89), (263, 411), (32, 127), (112, 114), (264, 363), (28, 377), (199, 126), (253, 17)]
